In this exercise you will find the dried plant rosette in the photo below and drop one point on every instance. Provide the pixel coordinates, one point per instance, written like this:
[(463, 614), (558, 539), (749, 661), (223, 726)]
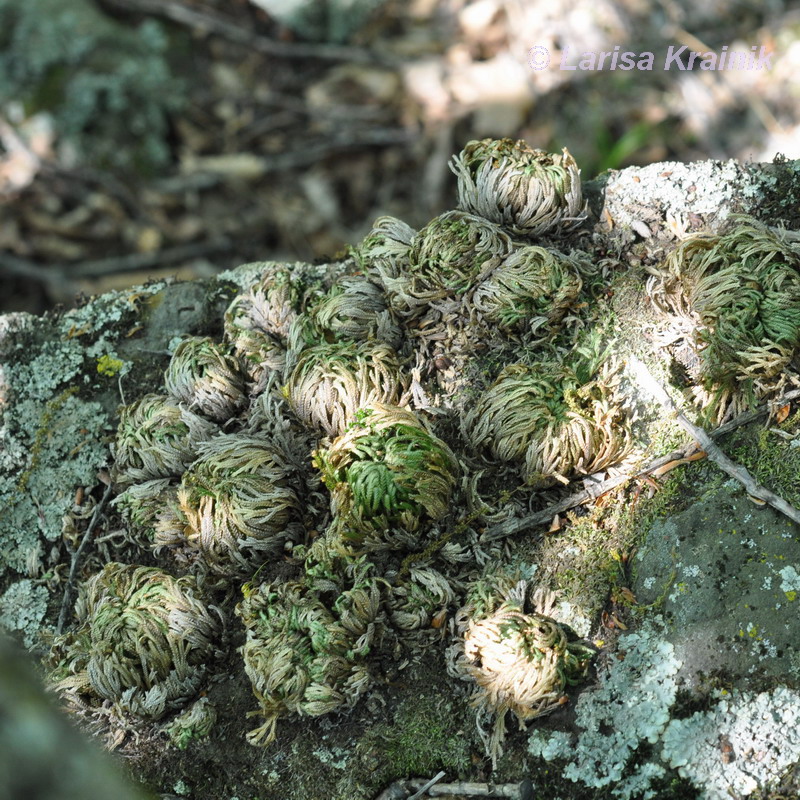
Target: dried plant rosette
[(557, 419), (238, 506), (520, 659), (735, 299), (306, 656), (144, 642), (354, 309), (332, 381), (157, 439), (527, 191), (534, 285), (386, 471), (444, 260), (204, 376)]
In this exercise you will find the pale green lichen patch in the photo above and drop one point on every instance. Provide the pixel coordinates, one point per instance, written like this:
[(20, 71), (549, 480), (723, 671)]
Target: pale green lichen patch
[(22, 609), (717, 571)]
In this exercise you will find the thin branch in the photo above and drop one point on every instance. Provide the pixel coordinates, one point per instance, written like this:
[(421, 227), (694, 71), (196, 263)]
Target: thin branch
[(754, 489), (400, 790), (213, 23), (511, 526), (138, 261), (76, 557), (427, 785), (62, 276)]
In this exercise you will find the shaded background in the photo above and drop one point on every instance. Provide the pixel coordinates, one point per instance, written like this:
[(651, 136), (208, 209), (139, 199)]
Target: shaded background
[(147, 138)]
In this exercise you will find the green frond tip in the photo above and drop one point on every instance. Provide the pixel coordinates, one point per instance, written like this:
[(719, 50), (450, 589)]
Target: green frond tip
[(525, 190), (388, 470), (144, 642)]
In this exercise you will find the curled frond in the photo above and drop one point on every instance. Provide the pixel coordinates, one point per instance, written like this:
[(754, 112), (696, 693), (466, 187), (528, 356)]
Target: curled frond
[(525, 190), (238, 503), (205, 377), (414, 604), (384, 251), (533, 284), (548, 417), (738, 298), (303, 656), (354, 309), (387, 470), (445, 259), (332, 381), (521, 661), (144, 642), (143, 502), (157, 439)]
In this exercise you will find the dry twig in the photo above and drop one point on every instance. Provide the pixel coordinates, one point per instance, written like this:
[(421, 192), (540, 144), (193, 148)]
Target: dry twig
[(76, 557), (754, 489)]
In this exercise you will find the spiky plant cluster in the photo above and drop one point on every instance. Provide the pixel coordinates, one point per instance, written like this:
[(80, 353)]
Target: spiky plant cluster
[(142, 503), (305, 656), (332, 381), (534, 284), (416, 603), (144, 643), (374, 545), (157, 439), (385, 248), (387, 470), (553, 419), (205, 377), (354, 309), (738, 297), (238, 503), (520, 660), (527, 191), (445, 259)]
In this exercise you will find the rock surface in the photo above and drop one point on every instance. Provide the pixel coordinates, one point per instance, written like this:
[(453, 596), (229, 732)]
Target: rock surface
[(716, 579)]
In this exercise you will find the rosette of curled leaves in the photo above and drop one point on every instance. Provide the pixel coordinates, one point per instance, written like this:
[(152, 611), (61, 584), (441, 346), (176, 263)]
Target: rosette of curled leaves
[(386, 471), (237, 505), (330, 382), (306, 655), (533, 284), (444, 260), (520, 660), (527, 191), (204, 376), (144, 641), (739, 296), (157, 439), (558, 419), (354, 309)]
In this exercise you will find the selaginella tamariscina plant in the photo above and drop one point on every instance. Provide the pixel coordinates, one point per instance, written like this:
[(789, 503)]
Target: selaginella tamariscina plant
[(734, 298), (314, 412), (424, 366)]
